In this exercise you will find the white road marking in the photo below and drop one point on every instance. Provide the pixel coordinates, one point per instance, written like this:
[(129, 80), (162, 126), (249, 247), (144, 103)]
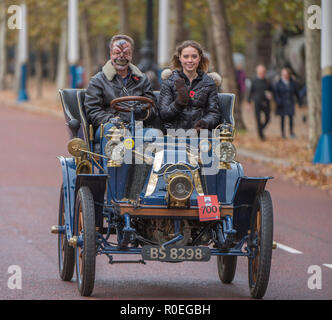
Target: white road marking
[(288, 249), (328, 265)]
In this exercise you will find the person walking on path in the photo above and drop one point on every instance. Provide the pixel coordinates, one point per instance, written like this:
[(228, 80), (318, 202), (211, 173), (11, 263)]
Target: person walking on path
[(261, 92), (241, 81), (285, 91)]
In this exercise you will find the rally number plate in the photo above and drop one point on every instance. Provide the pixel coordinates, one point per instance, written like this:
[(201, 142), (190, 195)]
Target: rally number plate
[(176, 254)]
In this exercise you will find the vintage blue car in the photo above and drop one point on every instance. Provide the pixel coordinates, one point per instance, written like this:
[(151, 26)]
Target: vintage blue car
[(161, 197)]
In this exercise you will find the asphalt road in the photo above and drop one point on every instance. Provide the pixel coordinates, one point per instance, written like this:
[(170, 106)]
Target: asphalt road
[(30, 177)]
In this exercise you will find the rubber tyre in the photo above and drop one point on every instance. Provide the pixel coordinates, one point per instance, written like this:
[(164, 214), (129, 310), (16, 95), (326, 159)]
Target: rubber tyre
[(66, 254), (226, 268), (259, 268), (84, 225)]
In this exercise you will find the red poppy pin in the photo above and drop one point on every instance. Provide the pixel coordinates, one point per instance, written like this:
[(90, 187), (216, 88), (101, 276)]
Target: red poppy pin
[(192, 94), (136, 78)]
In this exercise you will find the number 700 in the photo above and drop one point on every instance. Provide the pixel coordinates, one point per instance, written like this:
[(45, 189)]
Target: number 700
[(209, 209)]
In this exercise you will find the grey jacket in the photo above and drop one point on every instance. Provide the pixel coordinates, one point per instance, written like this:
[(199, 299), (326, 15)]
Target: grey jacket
[(106, 85)]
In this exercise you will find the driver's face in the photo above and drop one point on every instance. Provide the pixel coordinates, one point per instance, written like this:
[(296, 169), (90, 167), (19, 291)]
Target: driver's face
[(121, 54)]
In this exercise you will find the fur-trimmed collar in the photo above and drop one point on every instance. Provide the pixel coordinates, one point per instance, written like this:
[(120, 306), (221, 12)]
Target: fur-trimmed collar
[(214, 75), (110, 71)]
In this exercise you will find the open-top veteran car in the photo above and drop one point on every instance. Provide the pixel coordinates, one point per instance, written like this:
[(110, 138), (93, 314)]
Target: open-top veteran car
[(163, 197)]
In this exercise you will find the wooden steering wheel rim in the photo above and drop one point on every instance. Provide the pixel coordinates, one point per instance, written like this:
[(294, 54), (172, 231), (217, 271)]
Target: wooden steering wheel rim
[(147, 100)]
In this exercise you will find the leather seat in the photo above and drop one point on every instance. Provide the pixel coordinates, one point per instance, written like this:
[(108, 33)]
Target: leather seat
[(76, 119), (84, 122), (226, 102), (71, 112)]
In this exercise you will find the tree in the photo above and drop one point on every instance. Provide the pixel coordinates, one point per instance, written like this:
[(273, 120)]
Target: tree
[(62, 68), (124, 26), (224, 51), (181, 32), (254, 22), (44, 20), (313, 76), (85, 42)]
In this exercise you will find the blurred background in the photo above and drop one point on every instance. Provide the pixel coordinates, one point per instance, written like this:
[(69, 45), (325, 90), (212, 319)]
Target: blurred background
[(237, 35)]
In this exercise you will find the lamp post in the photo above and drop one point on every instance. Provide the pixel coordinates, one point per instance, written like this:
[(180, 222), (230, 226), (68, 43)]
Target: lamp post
[(23, 55), (147, 53), (163, 33), (73, 40), (324, 147)]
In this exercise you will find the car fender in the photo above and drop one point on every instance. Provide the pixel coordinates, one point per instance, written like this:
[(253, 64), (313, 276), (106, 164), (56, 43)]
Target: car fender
[(246, 192), (97, 185), (68, 167)]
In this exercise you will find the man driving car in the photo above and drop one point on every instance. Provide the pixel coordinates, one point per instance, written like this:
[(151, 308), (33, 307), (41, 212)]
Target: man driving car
[(118, 78)]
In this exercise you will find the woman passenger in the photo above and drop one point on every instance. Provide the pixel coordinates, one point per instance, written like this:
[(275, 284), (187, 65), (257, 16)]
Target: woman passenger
[(188, 95)]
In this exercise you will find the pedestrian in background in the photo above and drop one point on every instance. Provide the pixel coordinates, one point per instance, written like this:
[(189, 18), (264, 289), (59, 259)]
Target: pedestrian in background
[(80, 76), (261, 92), (285, 92), (241, 81)]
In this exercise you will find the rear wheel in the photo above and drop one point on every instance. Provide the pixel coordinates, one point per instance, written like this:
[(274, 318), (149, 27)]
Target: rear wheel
[(85, 230), (262, 232), (66, 255), (226, 268)]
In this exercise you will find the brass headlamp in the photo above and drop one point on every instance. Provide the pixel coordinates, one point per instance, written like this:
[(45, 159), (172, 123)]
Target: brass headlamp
[(225, 150), (179, 189)]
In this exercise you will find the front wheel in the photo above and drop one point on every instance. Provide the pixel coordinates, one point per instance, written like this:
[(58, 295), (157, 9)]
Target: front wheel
[(66, 255), (262, 234), (226, 268), (85, 231)]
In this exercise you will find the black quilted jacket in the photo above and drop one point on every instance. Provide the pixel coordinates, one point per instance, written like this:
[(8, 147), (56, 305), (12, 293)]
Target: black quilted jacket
[(203, 102)]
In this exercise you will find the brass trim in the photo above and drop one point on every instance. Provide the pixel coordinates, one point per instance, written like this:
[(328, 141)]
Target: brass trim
[(114, 133), (224, 166), (224, 135), (174, 165), (73, 241), (91, 132), (170, 180), (196, 177), (55, 229), (84, 164), (327, 71), (113, 164), (76, 147), (100, 167), (101, 131), (93, 153), (274, 245)]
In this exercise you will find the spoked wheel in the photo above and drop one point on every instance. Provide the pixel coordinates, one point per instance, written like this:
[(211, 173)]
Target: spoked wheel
[(226, 268), (66, 255), (262, 233), (85, 251)]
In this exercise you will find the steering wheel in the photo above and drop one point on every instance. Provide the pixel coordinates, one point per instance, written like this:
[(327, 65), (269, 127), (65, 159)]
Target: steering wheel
[(115, 103)]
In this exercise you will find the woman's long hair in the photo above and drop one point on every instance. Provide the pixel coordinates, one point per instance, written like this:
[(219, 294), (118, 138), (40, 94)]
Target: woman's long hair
[(175, 61)]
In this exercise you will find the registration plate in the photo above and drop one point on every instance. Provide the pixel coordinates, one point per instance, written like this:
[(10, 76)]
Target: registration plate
[(176, 254)]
